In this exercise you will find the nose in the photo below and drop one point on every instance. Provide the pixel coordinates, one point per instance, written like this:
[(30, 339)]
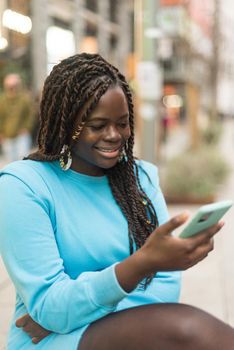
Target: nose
[(112, 134)]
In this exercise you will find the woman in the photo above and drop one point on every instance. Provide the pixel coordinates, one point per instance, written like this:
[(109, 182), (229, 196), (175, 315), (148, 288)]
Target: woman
[(87, 235)]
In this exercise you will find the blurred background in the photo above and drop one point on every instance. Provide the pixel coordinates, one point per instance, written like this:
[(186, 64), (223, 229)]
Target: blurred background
[(178, 57), (176, 54)]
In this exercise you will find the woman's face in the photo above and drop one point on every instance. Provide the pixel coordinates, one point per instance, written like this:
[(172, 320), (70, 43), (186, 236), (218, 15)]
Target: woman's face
[(103, 136)]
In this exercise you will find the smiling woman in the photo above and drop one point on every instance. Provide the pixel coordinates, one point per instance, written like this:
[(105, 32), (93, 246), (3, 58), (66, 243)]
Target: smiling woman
[(104, 135), (86, 240)]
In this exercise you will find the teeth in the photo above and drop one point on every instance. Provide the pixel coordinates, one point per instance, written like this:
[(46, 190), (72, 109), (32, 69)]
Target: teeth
[(108, 150)]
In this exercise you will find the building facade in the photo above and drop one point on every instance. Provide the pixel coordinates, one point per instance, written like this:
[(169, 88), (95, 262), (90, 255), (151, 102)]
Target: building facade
[(64, 27), (186, 51)]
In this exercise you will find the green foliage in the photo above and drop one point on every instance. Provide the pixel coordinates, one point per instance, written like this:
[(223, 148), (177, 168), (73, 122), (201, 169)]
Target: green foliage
[(212, 133), (195, 174)]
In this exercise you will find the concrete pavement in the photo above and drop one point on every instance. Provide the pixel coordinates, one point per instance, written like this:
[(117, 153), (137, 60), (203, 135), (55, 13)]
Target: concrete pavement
[(209, 285), (7, 296)]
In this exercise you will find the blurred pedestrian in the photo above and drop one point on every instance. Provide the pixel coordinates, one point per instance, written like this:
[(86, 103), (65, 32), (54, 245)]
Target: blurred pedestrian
[(16, 119), (165, 121)]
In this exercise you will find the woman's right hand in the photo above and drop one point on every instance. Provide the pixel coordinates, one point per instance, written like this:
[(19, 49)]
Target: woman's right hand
[(164, 252)]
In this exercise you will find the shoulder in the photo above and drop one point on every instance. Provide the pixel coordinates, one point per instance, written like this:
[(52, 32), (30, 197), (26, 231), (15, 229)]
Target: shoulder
[(2, 99), (148, 173), (25, 167), (24, 98), (32, 173), (23, 184)]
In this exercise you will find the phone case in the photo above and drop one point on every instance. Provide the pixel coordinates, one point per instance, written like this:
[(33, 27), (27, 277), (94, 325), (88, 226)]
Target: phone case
[(206, 216)]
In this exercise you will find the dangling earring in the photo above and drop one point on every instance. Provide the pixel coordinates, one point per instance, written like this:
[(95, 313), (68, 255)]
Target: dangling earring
[(65, 159), (122, 155)]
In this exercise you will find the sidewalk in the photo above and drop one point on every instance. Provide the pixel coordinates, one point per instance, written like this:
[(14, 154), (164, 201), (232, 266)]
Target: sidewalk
[(7, 296), (209, 285)]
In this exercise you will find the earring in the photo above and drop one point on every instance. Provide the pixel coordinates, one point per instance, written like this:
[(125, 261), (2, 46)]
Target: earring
[(65, 159), (76, 135), (122, 155)]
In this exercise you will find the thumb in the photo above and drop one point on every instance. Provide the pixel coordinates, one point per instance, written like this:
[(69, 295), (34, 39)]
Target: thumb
[(173, 223)]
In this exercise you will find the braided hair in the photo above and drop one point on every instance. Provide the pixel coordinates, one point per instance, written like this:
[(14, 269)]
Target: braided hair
[(76, 85)]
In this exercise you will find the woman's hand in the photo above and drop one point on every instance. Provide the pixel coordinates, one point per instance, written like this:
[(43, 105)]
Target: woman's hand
[(32, 328), (164, 252)]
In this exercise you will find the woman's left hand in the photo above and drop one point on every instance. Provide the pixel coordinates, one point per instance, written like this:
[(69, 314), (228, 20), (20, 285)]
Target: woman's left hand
[(32, 328)]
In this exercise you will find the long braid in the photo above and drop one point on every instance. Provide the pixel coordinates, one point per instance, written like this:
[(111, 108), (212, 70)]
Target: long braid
[(74, 88)]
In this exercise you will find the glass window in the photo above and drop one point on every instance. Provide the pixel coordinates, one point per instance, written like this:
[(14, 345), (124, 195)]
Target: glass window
[(113, 10), (91, 5)]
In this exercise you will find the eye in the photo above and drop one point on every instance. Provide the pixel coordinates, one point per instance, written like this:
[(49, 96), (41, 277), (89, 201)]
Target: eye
[(96, 127), (124, 124)]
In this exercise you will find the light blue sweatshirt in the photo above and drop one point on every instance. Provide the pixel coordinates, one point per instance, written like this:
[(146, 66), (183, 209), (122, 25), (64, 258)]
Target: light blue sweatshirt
[(61, 234)]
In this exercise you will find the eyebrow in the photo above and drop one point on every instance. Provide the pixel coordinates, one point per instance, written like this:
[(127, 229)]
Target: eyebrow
[(104, 119)]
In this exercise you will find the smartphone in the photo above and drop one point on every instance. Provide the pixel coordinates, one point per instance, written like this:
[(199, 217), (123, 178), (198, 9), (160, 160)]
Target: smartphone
[(206, 216)]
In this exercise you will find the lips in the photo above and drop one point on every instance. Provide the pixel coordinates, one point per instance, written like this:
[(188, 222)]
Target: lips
[(109, 152)]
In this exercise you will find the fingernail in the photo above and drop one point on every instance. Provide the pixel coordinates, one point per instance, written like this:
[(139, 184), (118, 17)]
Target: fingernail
[(221, 223), (183, 216)]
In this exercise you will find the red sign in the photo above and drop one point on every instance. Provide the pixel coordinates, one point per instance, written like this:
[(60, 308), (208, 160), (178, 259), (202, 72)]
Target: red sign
[(172, 2), (201, 12)]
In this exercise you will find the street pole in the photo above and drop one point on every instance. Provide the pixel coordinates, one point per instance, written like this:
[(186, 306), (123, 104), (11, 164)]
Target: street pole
[(148, 76), (40, 19)]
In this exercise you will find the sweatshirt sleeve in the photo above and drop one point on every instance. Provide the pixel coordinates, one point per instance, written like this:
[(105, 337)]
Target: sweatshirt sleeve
[(30, 253)]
